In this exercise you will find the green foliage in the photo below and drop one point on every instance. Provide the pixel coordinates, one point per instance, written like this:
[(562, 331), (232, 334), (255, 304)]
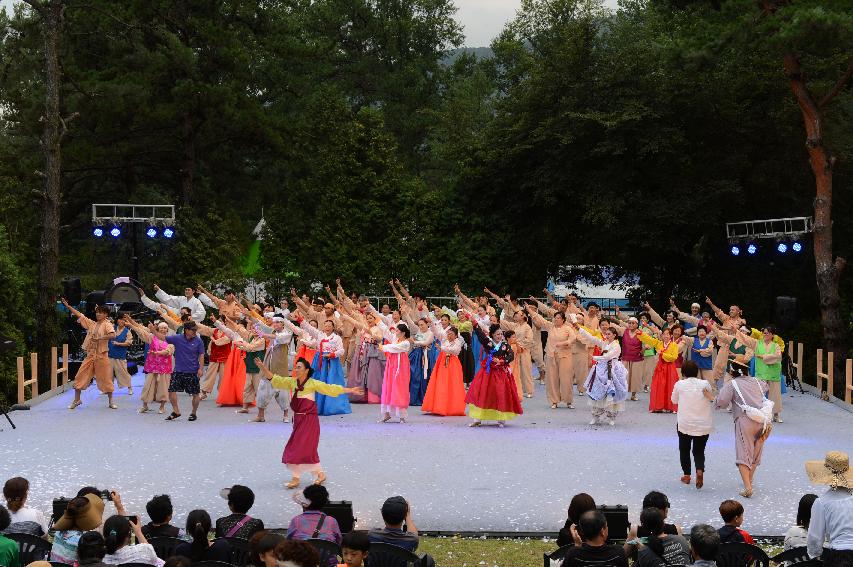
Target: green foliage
[(15, 318)]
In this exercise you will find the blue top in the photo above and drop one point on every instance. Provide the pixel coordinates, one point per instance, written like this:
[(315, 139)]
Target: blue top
[(119, 352), (703, 362), (187, 352)]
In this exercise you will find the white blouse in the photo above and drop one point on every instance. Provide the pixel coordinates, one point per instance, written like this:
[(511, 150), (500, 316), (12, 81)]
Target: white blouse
[(329, 344)]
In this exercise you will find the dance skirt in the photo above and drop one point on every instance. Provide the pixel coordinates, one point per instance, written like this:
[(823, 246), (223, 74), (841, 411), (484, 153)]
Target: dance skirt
[(331, 373), (418, 377), (477, 352), (466, 358), (233, 379), (306, 353), (395, 383), (493, 394), (445, 393), (663, 382), (301, 448), (365, 371)]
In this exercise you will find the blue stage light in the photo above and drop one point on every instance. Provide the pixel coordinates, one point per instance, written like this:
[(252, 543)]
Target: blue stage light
[(115, 232), (168, 232), (782, 247), (97, 232), (797, 247), (752, 248), (151, 232), (735, 250)]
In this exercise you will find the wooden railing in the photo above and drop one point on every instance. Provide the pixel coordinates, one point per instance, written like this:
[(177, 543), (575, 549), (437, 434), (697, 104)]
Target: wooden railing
[(55, 372)]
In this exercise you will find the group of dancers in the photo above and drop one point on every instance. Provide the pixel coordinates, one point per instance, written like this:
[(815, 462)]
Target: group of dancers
[(476, 359)]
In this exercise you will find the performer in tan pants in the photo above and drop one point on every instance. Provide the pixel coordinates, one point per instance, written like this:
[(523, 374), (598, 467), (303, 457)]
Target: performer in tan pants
[(558, 358), (97, 362), (524, 344), (580, 365)]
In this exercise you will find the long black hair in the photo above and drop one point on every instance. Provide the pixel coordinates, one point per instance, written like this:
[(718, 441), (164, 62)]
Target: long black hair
[(91, 546), (652, 519), (116, 533), (804, 510), (403, 328), (198, 526)]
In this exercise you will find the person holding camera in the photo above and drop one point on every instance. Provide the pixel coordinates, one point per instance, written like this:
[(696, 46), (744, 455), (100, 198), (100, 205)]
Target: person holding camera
[(396, 513), (117, 530), (84, 513)]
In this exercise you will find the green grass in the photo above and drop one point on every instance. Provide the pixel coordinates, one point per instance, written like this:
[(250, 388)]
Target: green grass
[(459, 552)]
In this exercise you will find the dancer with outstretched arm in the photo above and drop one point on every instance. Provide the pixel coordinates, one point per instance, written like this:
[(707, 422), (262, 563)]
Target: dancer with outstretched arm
[(300, 453)]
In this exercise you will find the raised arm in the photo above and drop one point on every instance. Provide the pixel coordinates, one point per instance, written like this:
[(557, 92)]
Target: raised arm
[(537, 318), (207, 293), (464, 299), (588, 338), (545, 309), (718, 313), (656, 318), (747, 340), (405, 291), (143, 333)]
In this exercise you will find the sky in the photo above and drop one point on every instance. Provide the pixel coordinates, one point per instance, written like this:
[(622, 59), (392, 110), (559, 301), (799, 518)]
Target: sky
[(482, 19)]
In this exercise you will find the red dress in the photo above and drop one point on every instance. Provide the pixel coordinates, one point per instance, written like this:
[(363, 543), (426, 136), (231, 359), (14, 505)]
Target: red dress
[(301, 448), (663, 382), (233, 379), (493, 394)]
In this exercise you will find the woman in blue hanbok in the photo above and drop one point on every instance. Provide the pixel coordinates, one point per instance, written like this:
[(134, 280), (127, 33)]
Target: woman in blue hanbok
[(607, 381)]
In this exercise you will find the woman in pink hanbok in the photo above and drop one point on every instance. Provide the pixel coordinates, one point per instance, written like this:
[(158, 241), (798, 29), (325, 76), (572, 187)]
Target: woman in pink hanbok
[(395, 382)]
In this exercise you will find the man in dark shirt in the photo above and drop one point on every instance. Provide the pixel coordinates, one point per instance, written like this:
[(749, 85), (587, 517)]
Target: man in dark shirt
[(189, 366), (396, 512), (160, 511), (594, 552), (239, 523)]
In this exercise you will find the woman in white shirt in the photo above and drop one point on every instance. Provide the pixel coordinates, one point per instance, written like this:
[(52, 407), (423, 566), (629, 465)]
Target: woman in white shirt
[(695, 422), (24, 520), (798, 535), (117, 538)]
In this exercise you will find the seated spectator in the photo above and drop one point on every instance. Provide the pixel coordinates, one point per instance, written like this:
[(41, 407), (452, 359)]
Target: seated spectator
[(25, 520), (655, 499), (83, 514), (798, 534), (660, 549), (594, 552), (295, 553), (201, 548), (395, 513), (831, 524), (312, 522), (10, 555), (238, 523), (117, 530), (262, 548), (355, 547), (732, 514), (160, 511), (704, 545), (91, 550), (178, 561), (580, 503)]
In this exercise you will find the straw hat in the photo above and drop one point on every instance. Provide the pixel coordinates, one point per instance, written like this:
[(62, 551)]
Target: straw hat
[(834, 470), (741, 362), (87, 518)]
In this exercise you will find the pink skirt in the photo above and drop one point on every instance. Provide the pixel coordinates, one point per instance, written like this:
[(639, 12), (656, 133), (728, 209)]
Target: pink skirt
[(395, 383)]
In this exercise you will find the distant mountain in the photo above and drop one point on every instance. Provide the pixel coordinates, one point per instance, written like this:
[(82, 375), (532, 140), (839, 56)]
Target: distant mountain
[(480, 52)]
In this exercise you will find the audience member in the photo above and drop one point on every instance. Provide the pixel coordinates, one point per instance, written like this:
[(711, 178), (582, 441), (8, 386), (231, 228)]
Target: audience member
[(262, 548), (659, 500), (355, 548), (396, 513), (24, 520), (732, 513), (239, 523), (83, 514), (594, 552), (294, 553), (201, 548), (798, 534), (91, 550), (704, 545), (117, 530), (9, 553), (832, 512), (580, 503), (312, 523), (160, 511), (660, 549)]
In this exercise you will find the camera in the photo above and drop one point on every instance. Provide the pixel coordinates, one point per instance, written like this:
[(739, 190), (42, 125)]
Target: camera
[(106, 495)]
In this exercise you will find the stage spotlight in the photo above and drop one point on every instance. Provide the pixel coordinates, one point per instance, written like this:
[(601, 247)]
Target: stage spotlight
[(151, 232), (782, 247), (97, 232), (735, 250), (797, 247), (115, 231), (168, 232), (752, 248)]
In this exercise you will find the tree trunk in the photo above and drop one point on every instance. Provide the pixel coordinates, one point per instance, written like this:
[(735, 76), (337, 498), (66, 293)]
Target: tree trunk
[(188, 162), (51, 14), (828, 269)]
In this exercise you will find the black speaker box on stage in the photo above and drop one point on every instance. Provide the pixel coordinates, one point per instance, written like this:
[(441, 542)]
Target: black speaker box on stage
[(94, 299), (71, 290), (617, 522), (342, 512), (786, 313)]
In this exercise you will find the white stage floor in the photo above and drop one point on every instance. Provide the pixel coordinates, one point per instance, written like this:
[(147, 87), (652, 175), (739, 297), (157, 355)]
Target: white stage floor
[(520, 478)]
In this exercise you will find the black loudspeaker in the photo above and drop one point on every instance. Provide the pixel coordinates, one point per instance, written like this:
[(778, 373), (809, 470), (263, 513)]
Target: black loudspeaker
[(342, 512), (787, 316), (71, 290), (617, 522)]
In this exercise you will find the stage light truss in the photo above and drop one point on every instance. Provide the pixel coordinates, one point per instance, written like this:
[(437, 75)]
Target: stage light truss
[(110, 213), (793, 227)]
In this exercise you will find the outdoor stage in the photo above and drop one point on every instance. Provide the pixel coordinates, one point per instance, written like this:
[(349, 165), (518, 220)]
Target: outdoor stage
[(520, 478)]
